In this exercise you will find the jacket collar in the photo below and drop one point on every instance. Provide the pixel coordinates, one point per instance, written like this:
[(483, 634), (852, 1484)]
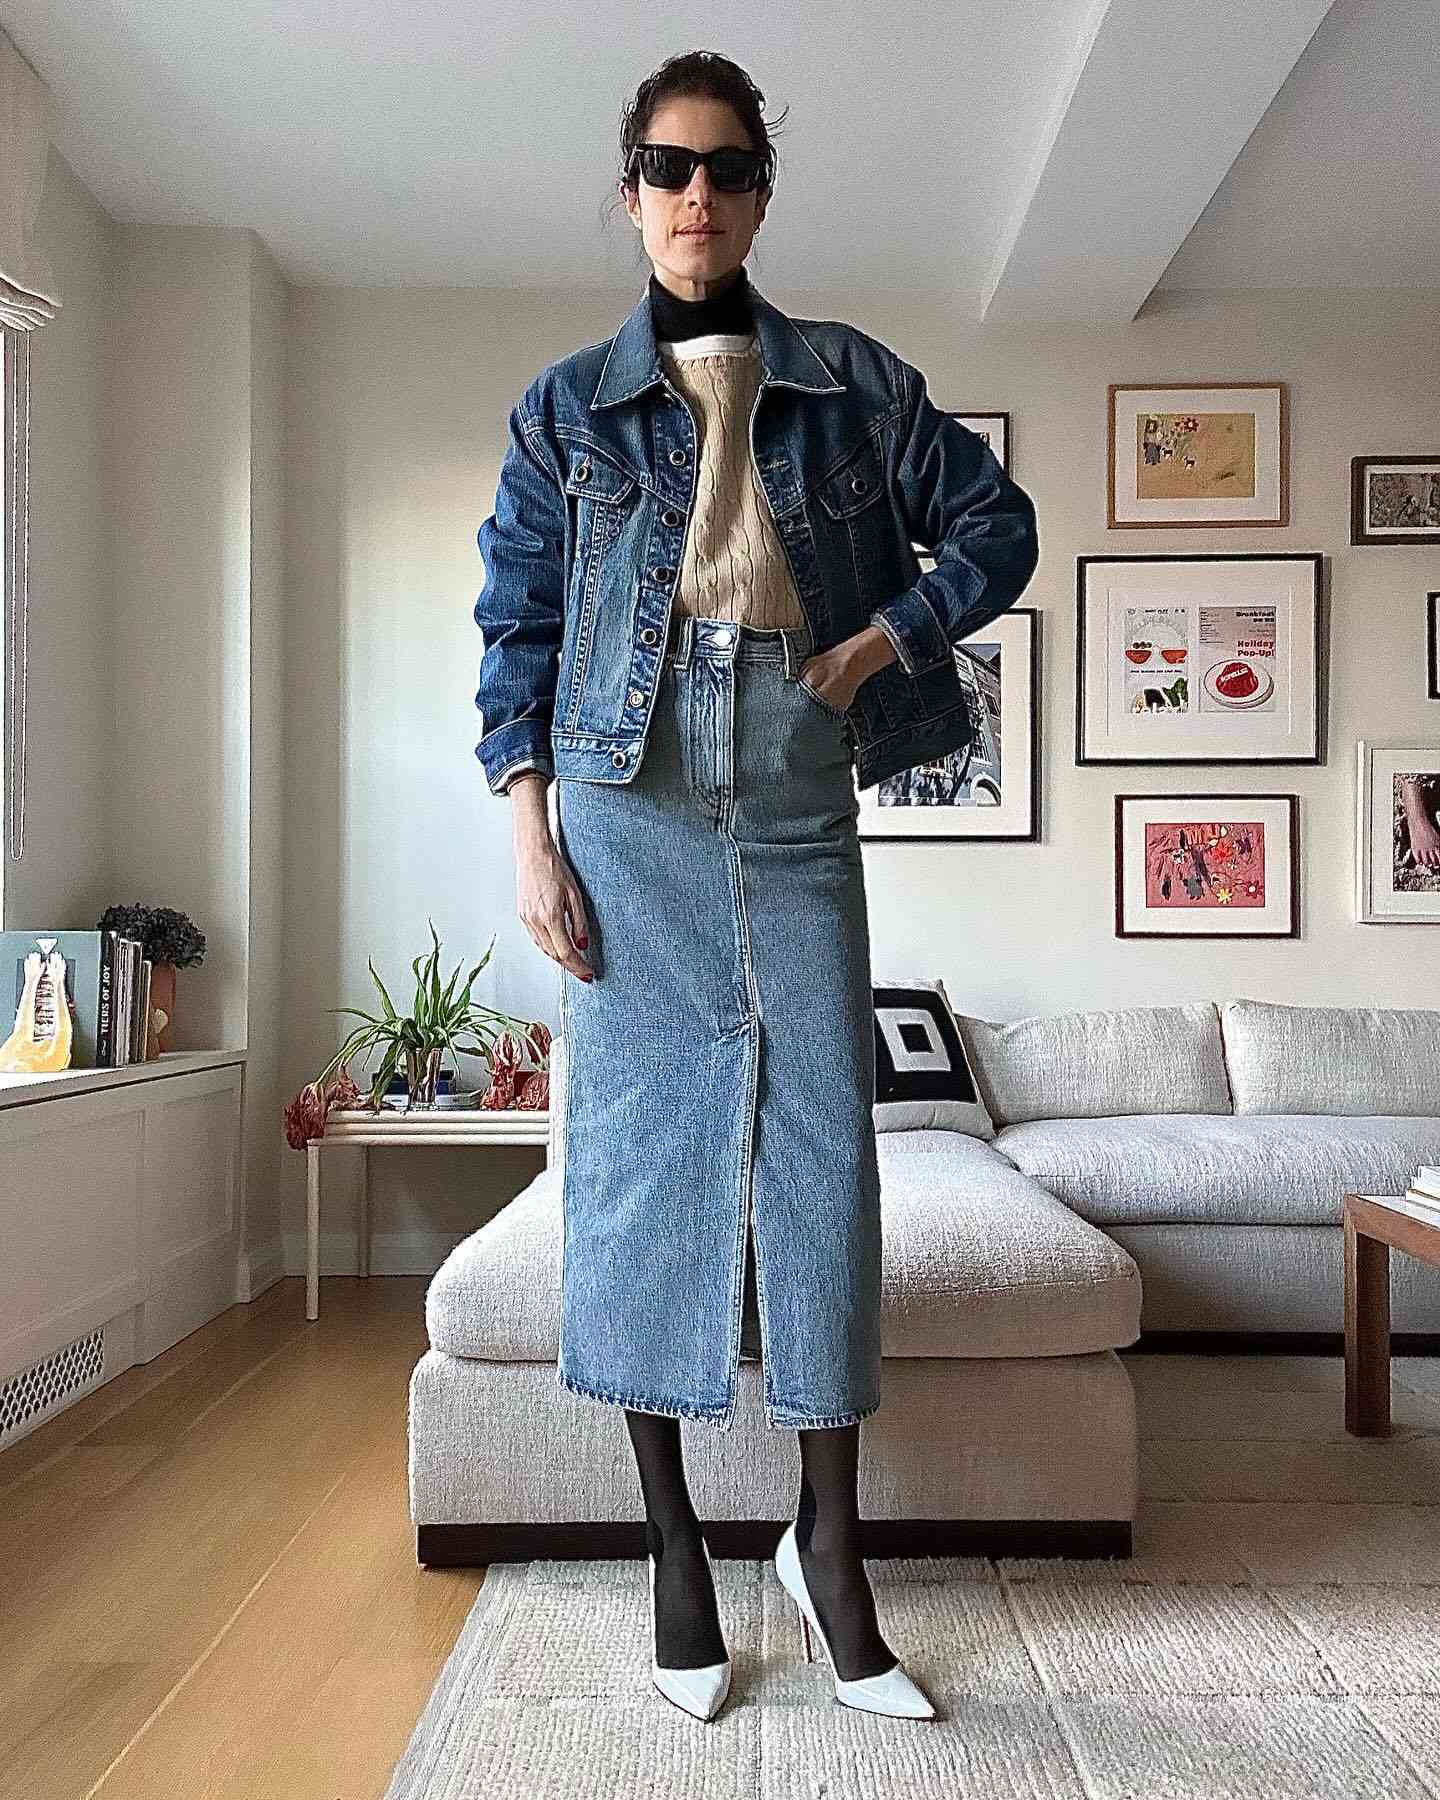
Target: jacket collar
[(786, 356)]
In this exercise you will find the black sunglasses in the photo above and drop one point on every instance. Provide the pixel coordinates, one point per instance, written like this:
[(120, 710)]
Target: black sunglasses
[(671, 166)]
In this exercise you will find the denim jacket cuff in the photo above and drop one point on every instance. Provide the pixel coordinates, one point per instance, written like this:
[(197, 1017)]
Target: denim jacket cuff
[(910, 624), (523, 743), (508, 779)]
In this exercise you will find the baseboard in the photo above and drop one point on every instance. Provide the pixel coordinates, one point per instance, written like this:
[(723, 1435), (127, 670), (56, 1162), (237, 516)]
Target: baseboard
[(477, 1546)]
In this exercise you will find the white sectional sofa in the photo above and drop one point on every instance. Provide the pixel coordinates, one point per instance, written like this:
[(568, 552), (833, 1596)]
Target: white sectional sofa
[(1171, 1170)]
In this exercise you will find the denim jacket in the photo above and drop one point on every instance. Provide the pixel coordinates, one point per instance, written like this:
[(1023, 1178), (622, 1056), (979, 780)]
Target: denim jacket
[(858, 467)]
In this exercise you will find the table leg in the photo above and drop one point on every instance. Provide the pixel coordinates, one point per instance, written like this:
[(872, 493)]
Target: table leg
[(365, 1209), (312, 1230), (1367, 1333)]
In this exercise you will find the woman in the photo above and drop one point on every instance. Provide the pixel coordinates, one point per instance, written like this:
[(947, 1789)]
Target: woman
[(685, 513)]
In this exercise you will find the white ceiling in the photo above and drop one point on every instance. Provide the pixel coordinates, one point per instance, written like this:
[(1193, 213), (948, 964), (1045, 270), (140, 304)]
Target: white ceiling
[(1040, 159)]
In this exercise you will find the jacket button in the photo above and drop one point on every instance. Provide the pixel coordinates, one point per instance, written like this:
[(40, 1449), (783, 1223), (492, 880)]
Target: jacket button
[(618, 758), (858, 484), (636, 696), (582, 471), (671, 517), (663, 575), (679, 458), (647, 635)]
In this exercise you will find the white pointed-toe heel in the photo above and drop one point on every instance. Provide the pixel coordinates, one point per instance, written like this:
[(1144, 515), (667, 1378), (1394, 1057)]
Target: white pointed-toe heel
[(891, 1692), (700, 1691)]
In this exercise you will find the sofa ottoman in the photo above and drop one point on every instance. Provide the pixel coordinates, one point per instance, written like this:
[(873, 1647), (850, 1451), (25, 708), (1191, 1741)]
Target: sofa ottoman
[(1007, 1423)]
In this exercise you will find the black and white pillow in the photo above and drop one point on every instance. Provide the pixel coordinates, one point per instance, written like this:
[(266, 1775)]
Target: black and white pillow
[(923, 1078)]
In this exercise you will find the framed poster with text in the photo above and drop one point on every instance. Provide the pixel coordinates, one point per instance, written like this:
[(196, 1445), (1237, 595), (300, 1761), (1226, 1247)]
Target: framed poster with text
[(1207, 658)]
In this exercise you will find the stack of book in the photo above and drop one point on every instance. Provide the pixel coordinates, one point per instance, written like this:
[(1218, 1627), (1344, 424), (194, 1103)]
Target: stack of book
[(1424, 1190), (107, 982)]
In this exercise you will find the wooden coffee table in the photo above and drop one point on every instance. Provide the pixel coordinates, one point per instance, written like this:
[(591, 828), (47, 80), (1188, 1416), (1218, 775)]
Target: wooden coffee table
[(1373, 1223)]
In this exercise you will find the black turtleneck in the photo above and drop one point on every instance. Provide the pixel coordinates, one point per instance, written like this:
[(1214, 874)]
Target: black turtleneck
[(675, 318)]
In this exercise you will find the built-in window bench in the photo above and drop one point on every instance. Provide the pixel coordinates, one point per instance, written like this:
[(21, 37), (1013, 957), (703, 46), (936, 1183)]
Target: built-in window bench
[(121, 1212)]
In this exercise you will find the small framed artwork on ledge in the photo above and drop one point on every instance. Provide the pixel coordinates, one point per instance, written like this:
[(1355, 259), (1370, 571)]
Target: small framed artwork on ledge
[(1207, 865), (1397, 852)]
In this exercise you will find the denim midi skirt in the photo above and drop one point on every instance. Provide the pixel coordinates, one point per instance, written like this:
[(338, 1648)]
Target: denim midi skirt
[(721, 1189)]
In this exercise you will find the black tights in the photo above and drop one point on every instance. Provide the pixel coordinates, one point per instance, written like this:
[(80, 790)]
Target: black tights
[(827, 1532)]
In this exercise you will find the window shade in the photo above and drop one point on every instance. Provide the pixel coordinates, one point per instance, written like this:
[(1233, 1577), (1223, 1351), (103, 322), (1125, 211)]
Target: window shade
[(27, 290)]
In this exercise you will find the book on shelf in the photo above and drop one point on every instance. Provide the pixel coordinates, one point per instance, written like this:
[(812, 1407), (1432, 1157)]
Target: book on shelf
[(106, 985)]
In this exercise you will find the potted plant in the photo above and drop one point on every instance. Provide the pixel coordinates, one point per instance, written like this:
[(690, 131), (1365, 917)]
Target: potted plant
[(439, 1019), (172, 941)]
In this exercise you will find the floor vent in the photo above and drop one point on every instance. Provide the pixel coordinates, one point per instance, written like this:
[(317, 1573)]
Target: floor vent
[(50, 1384)]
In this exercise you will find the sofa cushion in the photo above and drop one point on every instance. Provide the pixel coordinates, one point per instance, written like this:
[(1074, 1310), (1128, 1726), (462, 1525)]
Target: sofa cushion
[(1087, 1065), (1285, 1169), (923, 1077), (977, 1261), (1332, 1059)]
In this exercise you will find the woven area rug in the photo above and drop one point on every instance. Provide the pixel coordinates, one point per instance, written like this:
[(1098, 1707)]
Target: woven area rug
[(1252, 1649)]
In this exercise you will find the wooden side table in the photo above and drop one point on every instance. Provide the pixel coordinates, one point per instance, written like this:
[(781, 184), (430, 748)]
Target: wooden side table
[(362, 1128), (1373, 1224)]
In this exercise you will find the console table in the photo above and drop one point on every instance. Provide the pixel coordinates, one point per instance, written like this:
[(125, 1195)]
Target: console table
[(363, 1129)]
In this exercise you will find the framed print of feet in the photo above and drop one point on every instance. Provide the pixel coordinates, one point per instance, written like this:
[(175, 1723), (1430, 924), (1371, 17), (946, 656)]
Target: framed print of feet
[(1397, 819)]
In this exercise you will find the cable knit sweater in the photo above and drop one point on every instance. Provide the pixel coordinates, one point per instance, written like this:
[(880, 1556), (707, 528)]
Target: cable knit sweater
[(733, 565)]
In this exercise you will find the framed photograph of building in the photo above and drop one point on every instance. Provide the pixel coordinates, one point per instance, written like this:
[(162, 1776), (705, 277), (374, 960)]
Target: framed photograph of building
[(1207, 865), (1395, 499), (1204, 658), (1197, 453), (1397, 851), (989, 790)]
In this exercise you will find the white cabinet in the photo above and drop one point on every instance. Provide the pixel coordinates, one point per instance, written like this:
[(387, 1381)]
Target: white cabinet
[(120, 1223)]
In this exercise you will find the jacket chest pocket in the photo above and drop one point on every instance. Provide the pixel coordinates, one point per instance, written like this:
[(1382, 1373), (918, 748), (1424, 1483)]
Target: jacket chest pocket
[(860, 522), (603, 494), (849, 492)]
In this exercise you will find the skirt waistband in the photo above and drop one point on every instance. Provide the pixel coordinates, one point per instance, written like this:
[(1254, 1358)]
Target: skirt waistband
[(721, 640)]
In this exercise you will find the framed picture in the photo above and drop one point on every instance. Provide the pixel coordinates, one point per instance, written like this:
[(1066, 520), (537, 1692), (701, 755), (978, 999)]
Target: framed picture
[(1209, 658), (990, 789), (1432, 646), (1395, 499), (1206, 453), (1207, 865), (1397, 852), (994, 427)]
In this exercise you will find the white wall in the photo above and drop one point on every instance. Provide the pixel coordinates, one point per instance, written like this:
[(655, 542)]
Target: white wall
[(397, 405), (61, 876), (180, 490)]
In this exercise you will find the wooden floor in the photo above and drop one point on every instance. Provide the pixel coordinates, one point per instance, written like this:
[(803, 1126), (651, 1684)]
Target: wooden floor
[(208, 1583)]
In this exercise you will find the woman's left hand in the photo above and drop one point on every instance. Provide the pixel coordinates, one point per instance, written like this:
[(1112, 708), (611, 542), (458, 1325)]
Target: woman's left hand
[(833, 680)]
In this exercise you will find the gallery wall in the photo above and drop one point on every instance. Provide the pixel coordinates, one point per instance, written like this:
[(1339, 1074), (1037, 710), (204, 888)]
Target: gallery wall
[(396, 406)]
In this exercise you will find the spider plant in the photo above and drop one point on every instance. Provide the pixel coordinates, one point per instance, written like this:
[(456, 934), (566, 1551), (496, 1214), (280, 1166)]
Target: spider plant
[(439, 1019)]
